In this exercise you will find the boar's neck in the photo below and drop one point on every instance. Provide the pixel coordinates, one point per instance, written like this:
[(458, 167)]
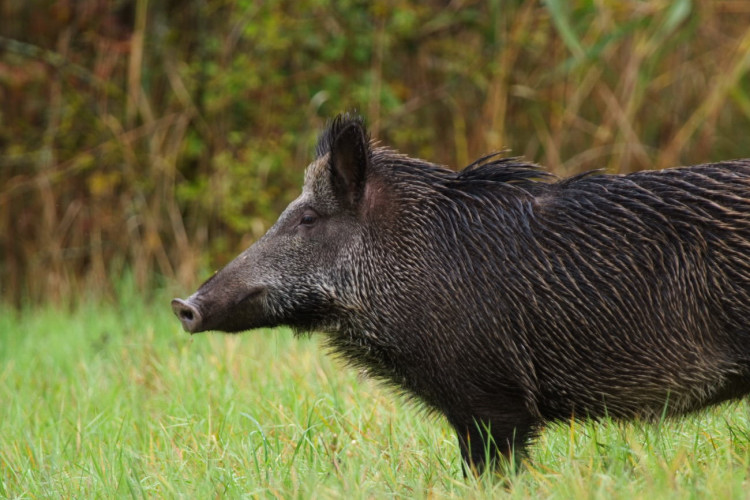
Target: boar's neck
[(414, 322)]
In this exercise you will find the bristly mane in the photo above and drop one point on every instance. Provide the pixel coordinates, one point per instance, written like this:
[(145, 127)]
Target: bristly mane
[(512, 170), (491, 168)]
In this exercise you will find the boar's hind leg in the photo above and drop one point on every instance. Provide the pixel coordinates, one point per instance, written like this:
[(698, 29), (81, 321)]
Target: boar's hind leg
[(487, 445)]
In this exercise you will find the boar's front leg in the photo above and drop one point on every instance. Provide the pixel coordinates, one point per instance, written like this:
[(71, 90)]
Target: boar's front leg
[(492, 444)]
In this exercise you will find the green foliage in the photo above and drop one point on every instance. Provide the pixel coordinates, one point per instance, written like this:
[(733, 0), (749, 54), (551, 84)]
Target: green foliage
[(113, 400), (163, 136)]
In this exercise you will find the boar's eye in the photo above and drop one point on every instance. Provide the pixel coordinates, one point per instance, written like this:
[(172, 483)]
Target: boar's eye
[(308, 218)]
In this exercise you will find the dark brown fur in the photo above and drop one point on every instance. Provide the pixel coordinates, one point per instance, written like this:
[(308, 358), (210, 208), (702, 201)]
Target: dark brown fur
[(501, 300)]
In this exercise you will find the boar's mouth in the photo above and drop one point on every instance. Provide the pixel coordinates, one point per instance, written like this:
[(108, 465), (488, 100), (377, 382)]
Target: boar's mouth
[(195, 314)]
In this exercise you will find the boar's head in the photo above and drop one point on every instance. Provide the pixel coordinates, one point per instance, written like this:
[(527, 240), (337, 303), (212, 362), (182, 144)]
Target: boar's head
[(297, 274)]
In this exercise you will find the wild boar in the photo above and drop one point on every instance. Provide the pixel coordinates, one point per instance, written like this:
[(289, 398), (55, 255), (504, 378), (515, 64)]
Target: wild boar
[(502, 297)]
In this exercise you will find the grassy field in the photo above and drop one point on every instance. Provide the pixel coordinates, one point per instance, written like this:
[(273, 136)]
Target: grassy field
[(114, 400)]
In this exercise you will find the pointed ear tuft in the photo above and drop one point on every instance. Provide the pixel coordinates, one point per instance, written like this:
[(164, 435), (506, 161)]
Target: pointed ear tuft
[(349, 162)]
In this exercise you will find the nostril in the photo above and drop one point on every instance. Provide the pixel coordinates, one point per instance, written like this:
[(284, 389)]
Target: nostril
[(188, 314)]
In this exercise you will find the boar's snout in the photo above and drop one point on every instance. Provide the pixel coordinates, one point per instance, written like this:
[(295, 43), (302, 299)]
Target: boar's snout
[(188, 314)]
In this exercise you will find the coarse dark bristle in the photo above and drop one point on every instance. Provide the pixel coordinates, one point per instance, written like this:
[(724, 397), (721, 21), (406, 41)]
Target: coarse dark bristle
[(494, 167)]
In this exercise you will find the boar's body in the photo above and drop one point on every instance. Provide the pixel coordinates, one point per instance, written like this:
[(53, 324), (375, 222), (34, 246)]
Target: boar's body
[(503, 301)]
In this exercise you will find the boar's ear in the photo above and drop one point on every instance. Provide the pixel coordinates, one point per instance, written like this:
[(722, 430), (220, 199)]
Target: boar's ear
[(350, 159)]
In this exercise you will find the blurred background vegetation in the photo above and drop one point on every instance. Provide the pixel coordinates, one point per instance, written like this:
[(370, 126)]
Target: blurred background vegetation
[(158, 138)]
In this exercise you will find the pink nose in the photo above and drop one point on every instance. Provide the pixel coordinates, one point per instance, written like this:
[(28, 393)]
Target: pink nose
[(188, 314)]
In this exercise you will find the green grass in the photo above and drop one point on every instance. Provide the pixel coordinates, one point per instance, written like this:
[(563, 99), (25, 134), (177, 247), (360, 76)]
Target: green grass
[(114, 400)]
